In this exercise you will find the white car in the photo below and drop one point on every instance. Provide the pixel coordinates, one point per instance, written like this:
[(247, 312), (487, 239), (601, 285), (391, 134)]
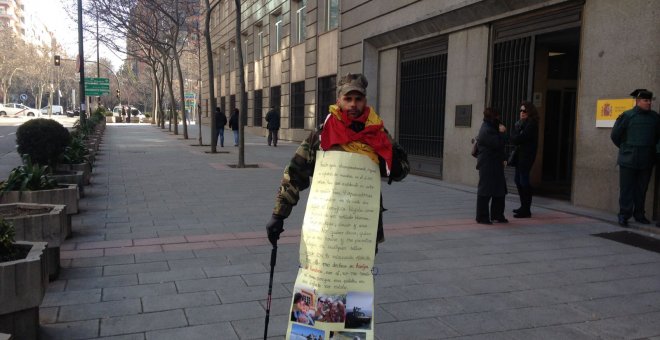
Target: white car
[(57, 110), (16, 109)]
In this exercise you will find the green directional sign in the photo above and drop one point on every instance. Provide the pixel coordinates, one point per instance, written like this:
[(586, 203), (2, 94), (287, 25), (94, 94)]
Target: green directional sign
[(97, 80), (97, 87), (93, 93)]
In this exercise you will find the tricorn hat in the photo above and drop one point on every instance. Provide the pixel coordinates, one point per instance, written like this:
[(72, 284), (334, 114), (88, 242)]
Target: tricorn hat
[(642, 94), (352, 82)]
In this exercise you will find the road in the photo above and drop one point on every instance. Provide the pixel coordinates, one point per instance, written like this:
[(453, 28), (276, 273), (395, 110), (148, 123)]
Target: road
[(9, 158)]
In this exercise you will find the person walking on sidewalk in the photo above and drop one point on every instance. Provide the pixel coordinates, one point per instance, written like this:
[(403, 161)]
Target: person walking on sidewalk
[(233, 124), (351, 126), (525, 136), (273, 124), (636, 133), (220, 122), (490, 163)]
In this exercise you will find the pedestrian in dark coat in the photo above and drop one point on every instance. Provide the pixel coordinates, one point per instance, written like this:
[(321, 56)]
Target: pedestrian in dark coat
[(233, 124), (525, 136), (220, 122), (490, 163), (273, 125), (636, 133)]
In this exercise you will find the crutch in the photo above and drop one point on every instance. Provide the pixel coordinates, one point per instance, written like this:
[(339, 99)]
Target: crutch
[(273, 259)]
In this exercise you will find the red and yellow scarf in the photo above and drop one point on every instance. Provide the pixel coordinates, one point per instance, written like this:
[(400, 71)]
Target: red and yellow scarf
[(372, 141)]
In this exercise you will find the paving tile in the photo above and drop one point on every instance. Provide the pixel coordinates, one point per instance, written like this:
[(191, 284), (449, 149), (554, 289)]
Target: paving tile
[(253, 293), (188, 246), (134, 336), (99, 310), (222, 330), (71, 297), (82, 272), (198, 262), (70, 330), (167, 255), (102, 261), (174, 301), (132, 250), (187, 286), (102, 282), (143, 322), (172, 275), (246, 329), (48, 314), (105, 244), (637, 326), (161, 240), (120, 269), (224, 312), (76, 254), (416, 329), (128, 292)]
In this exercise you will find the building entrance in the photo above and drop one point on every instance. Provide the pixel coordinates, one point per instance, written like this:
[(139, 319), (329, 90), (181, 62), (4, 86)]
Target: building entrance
[(539, 63)]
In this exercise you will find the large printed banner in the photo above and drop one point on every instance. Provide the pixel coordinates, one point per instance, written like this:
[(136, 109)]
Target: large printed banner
[(334, 291)]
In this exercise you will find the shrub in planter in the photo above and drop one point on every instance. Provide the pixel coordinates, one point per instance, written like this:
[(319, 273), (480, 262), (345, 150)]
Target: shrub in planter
[(44, 140), (28, 177), (7, 250), (24, 280)]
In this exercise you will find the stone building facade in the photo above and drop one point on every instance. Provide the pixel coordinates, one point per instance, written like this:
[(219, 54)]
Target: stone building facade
[(433, 66)]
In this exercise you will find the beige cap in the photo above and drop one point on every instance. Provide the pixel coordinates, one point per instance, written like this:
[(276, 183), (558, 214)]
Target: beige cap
[(352, 82)]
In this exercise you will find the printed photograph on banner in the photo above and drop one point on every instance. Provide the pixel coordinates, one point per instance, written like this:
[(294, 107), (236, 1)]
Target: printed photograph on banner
[(304, 307), (348, 336), (300, 332), (331, 308), (359, 310)]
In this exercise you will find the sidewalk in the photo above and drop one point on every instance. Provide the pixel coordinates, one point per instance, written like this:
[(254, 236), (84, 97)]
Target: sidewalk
[(170, 244)]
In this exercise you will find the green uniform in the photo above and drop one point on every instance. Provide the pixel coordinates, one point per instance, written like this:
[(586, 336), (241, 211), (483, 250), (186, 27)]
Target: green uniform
[(636, 133), (301, 167)]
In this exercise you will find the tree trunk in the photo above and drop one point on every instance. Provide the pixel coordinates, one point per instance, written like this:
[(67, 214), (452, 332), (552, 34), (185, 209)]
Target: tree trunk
[(170, 89), (241, 74), (181, 94), (209, 62)]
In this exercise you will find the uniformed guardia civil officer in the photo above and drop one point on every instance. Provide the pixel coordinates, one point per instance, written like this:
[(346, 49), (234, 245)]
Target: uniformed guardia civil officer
[(635, 133)]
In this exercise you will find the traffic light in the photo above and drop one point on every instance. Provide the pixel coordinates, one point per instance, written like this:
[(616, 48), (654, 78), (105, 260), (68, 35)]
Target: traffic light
[(117, 93), (57, 60)]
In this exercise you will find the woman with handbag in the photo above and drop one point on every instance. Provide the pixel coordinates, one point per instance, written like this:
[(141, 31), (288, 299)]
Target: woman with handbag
[(491, 159), (525, 136)]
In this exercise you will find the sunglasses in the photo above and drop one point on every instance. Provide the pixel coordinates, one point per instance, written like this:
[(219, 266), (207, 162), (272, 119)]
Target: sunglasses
[(523, 110)]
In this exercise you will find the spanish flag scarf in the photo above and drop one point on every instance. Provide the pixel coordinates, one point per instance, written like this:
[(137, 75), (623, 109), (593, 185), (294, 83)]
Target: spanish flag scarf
[(372, 141)]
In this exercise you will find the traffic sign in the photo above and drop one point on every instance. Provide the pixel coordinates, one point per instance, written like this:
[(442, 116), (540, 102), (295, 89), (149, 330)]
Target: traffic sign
[(97, 87), (189, 95), (23, 96), (97, 80), (95, 92)]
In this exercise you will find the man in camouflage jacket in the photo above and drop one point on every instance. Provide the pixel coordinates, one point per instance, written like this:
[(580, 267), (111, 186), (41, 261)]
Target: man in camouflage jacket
[(345, 128)]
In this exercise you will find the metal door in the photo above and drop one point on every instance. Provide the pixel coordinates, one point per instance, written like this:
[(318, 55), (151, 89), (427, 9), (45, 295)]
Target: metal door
[(422, 94)]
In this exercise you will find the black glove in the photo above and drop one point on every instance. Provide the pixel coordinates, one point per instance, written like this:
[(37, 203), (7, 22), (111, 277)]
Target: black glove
[(274, 228)]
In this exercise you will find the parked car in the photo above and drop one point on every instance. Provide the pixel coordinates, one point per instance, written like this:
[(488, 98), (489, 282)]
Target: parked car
[(57, 110), (16, 109), (116, 111)]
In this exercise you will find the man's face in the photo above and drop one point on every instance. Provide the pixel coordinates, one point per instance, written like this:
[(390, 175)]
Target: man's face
[(644, 104), (353, 103)]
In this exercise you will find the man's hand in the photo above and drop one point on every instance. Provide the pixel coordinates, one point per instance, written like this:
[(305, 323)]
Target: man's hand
[(274, 228)]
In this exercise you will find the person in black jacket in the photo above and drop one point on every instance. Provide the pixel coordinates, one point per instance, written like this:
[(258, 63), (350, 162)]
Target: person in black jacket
[(273, 125), (220, 122), (233, 124), (490, 163), (525, 136)]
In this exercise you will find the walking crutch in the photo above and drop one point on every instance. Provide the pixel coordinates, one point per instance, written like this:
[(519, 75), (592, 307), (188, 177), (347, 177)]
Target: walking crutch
[(273, 259)]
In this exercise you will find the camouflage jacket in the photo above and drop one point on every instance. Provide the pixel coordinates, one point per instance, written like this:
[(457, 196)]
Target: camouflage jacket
[(301, 168)]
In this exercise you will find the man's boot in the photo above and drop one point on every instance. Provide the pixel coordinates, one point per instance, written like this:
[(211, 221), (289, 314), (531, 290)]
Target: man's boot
[(515, 211), (526, 200)]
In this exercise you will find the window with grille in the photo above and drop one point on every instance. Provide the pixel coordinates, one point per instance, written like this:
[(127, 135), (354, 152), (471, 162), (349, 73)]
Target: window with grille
[(327, 86), (298, 105), (332, 14), (258, 108), (301, 21)]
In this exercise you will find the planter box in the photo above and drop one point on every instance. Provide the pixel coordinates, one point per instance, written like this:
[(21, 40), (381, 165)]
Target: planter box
[(23, 287), (86, 168), (41, 226), (67, 195), (71, 177)]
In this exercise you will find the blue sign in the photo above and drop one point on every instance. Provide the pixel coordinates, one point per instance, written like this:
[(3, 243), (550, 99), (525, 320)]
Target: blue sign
[(23, 96)]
